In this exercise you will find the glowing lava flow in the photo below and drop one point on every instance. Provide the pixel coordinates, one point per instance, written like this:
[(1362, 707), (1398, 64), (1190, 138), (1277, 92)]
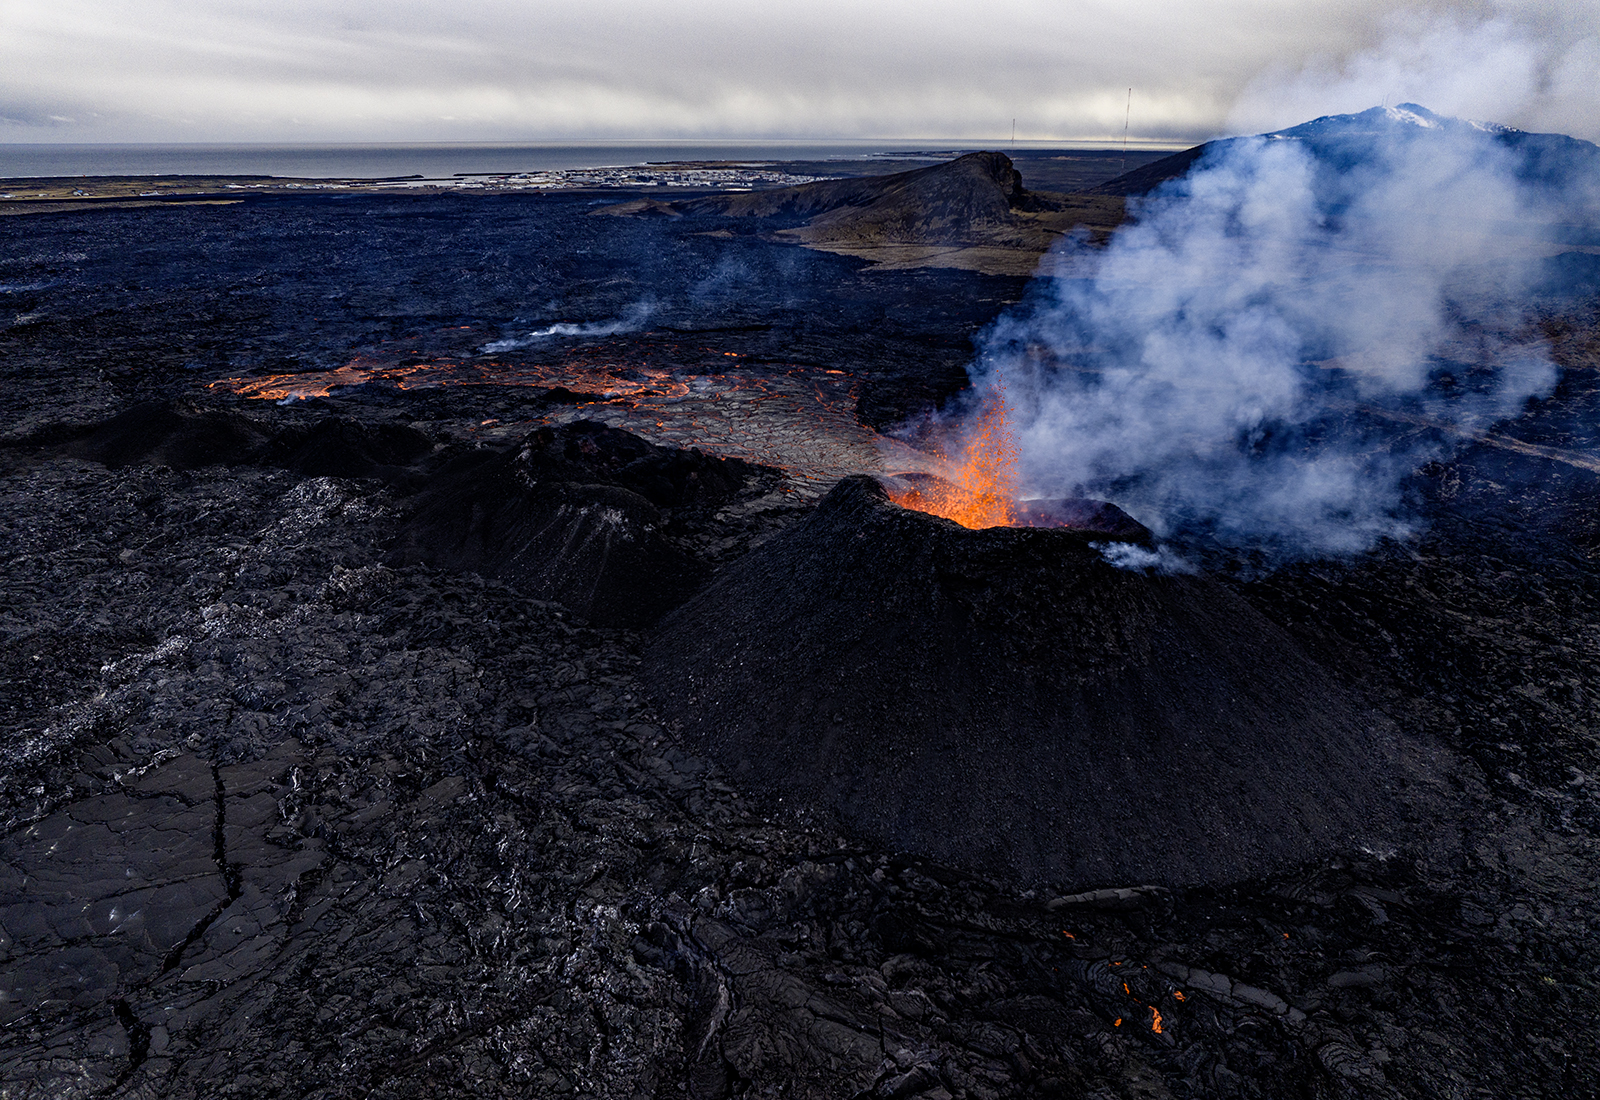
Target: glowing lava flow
[(979, 483), (799, 419), (603, 382)]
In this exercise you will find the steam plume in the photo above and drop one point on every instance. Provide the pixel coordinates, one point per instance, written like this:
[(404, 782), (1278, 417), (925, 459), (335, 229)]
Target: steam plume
[(632, 321), (1253, 354)]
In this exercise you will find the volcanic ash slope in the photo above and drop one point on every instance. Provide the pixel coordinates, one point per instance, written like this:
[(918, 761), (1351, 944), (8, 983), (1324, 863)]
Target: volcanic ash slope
[(1005, 700)]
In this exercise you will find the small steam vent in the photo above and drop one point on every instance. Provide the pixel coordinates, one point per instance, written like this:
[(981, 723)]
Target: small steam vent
[(1006, 701)]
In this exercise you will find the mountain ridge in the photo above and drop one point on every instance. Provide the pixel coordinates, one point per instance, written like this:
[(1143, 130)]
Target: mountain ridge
[(1548, 158), (974, 212)]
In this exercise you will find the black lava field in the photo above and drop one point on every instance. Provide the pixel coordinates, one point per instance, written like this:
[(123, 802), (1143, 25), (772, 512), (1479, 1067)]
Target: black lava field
[(464, 728)]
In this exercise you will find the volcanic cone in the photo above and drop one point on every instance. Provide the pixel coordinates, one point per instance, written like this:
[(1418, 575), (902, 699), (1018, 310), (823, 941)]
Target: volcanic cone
[(1005, 700)]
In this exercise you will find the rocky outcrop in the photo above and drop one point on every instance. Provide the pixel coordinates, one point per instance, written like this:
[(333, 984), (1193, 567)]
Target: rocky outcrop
[(186, 435), (579, 514), (181, 435)]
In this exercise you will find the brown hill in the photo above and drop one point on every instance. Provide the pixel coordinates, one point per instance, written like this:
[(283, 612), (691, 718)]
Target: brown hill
[(972, 212), (972, 190)]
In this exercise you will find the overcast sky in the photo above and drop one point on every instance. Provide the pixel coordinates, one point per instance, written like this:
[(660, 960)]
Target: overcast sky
[(498, 70)]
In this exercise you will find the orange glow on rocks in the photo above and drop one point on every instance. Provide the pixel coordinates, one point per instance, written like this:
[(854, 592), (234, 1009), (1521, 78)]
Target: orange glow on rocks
[(980, 481), (600, 382)]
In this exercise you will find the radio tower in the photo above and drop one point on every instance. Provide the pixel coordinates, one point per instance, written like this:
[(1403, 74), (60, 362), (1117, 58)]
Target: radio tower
[(1126, 115)]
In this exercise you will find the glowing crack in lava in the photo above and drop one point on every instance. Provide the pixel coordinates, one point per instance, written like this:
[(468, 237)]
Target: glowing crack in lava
[(978, 486)]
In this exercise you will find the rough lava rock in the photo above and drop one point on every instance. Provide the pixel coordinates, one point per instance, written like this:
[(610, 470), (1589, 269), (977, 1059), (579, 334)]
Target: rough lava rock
[(411, 833), (578, 514), (181, 435)]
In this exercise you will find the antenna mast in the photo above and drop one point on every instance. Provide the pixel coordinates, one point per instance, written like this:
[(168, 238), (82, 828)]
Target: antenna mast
[(1126, 116)]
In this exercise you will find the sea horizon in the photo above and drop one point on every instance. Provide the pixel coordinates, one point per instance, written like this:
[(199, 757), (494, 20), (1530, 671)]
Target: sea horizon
[(449, 159)]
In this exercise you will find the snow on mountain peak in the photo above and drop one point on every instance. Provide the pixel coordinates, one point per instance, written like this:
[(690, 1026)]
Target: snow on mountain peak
[(1376, 120), (1413, 114)]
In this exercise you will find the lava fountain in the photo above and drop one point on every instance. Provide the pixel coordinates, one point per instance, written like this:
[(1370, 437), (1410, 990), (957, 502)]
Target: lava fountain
[(978, 487)]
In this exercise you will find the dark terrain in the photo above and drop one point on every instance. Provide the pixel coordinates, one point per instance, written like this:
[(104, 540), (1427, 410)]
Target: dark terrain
[(293, 809)]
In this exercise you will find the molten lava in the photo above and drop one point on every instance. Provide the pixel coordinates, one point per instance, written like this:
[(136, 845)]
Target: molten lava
[(980, 480), (597, 382)]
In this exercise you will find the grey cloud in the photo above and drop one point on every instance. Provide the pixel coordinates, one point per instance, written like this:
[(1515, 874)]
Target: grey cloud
[(1526, 65), (427, 69)]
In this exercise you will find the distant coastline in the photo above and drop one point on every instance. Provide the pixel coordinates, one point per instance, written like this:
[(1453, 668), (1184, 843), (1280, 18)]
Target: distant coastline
[(445, 161)]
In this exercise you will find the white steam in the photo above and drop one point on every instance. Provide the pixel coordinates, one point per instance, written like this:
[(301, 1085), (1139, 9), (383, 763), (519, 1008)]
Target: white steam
[(1277, 341), (1136, 559), (632, 321)]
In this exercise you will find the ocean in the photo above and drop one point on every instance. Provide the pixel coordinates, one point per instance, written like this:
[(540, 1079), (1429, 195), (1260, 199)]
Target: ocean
[(444, 160)]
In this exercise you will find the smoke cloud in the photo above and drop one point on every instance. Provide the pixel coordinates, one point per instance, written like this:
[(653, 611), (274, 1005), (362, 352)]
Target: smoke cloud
[(1279, 340)]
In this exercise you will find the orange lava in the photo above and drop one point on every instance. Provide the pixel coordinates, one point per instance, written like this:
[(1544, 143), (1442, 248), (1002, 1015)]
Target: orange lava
[(1155, 1023), (603, 382), (981, 476)]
